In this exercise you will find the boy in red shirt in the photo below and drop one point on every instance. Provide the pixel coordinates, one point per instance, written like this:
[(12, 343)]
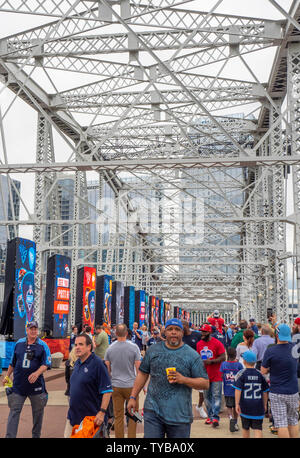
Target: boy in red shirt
[(212, 352)]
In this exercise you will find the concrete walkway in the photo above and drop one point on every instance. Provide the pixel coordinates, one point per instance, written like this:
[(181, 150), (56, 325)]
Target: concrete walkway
[(57, 407)]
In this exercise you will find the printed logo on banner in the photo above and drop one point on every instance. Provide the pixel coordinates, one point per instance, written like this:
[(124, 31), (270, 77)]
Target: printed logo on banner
[(88, 277), (23, 252), (63, 294), (67, 269), (63, 282), (61, 307)]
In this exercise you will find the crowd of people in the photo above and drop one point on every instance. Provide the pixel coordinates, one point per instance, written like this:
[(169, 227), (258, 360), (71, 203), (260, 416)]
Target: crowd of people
[(253, 366)]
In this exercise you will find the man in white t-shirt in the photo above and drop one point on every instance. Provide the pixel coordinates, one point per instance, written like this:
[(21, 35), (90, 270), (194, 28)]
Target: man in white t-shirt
[(122, 358)]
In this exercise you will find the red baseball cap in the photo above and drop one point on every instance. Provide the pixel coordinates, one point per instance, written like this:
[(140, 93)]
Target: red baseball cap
[(206, 327), (297, 321)]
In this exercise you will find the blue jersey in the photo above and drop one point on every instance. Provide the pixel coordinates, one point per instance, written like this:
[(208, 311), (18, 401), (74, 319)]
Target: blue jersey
[(26, 359), (229, 370), (89, 381), (136, 340), (252, 384)]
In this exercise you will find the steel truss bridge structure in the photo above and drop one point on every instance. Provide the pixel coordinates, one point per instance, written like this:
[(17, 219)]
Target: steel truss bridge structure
[(188, 115)]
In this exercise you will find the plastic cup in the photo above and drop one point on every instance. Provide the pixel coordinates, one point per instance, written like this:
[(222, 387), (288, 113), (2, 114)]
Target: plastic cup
[(170, 372)]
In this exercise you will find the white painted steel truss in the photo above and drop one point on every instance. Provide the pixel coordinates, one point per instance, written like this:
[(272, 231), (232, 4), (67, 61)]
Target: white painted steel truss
[(164, 106)]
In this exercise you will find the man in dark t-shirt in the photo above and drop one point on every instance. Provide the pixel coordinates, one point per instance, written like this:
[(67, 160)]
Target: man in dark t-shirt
[(281, 362), (190, 337)]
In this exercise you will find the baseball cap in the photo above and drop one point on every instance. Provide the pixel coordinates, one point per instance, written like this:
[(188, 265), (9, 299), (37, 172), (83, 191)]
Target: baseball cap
[(206, 327), (232, 322), (252, 320), (155, 332), (32, 324), (249, 356), (284, 332), (216, 313), (297, 320), (174, 322)]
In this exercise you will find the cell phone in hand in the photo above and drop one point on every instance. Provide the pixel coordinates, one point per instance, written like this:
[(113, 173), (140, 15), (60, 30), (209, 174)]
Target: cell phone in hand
[(135, 416)]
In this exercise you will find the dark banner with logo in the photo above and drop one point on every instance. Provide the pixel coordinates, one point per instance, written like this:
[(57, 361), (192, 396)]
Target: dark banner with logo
[(57, 303), (140, 308), (117, 304), (147, 318), (129, 306), (103, 299), (162, 312), (18, 304), (157, 311)]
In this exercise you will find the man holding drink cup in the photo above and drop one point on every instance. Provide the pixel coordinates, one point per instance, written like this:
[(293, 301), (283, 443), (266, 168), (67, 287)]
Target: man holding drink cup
[(175, 369)]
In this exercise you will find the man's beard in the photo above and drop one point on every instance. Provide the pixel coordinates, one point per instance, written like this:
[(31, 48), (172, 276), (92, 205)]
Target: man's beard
[(206, 338), (174, 344)]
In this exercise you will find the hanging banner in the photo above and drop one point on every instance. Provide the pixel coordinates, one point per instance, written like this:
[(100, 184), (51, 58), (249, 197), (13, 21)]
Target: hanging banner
[(152, 311), (167, 311), (147, 318), (57, 300), (18, 304), (162, 313), (85, 297), (129, 306), (157, 311), (103, 299), (140, 307), (117, 307)]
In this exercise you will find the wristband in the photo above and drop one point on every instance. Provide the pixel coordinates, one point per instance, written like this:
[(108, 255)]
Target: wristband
[(102, 410), (132, 397)]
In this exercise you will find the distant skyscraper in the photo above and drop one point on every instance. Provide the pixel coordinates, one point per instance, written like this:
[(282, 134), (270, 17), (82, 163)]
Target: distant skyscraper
[(9, 209)]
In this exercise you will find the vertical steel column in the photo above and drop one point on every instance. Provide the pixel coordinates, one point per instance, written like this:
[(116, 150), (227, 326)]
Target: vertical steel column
[(81, 232), (45, 207), (277, 265), (99, 220), (293, 75)]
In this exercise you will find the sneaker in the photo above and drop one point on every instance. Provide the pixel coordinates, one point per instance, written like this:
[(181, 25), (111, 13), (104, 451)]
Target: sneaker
[(215, 423), (208, 421), (232, 425), (201, 412)]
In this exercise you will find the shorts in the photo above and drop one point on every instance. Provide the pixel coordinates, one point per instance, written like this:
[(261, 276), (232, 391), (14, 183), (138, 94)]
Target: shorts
[(229, 401), (252, 423), (284, 408)]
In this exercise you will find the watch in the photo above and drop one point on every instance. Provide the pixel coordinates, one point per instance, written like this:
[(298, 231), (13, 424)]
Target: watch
[(102, 410)]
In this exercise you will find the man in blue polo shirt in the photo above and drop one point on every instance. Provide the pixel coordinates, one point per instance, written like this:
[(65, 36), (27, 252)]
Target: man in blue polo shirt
[(90, 384), (31, 358)]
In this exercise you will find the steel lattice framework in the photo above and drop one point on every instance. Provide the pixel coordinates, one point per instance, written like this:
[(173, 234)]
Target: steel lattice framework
[(172, 118)]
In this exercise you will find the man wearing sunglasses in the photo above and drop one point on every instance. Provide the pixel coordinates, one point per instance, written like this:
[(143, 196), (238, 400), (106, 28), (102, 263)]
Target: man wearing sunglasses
[(31, 358)]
